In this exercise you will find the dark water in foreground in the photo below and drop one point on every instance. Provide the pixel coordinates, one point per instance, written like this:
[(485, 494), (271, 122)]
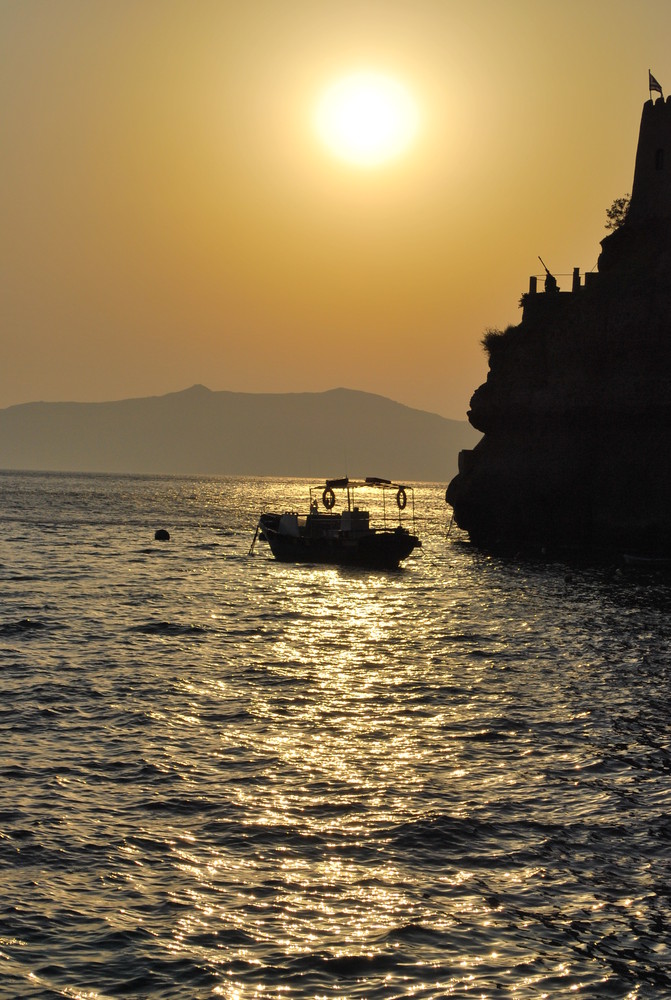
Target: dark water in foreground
[(221, 776)]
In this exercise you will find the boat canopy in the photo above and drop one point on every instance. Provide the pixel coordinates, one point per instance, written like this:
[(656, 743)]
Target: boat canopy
[(347, 483), (338, 484)]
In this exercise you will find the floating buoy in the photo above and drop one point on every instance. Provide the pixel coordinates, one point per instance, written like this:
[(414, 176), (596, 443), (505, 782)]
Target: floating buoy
[(161, 535)]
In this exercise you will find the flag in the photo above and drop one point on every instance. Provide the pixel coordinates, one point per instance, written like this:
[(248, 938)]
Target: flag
[(654, 85)]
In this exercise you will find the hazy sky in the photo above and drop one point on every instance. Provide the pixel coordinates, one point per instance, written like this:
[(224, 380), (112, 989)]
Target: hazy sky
[(170, 215)]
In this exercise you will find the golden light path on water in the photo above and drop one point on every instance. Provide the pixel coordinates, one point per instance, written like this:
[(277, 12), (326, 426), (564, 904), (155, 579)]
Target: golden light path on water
[(251, 779), (344, 738)]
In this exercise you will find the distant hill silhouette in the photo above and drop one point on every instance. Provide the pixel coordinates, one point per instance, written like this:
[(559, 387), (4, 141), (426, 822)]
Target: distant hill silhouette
[(198, 431)]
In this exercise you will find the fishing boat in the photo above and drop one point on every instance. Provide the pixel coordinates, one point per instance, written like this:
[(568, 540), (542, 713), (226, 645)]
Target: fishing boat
[(345, 537)]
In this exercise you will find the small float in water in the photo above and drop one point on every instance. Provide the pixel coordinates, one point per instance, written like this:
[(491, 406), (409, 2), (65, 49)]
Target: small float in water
[(345, 537)]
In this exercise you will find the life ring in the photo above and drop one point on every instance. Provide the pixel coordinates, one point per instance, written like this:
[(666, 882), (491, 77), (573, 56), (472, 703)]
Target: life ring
[(401, 498), (328, 498)]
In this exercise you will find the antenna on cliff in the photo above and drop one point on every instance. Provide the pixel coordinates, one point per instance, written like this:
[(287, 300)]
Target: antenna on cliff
[(550, 280)]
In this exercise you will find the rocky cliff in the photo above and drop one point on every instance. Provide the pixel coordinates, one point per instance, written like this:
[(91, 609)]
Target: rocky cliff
[(576, 409)]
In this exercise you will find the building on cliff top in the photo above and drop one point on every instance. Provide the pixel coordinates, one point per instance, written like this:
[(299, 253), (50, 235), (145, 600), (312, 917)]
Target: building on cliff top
[(651, 190), (576, 410)]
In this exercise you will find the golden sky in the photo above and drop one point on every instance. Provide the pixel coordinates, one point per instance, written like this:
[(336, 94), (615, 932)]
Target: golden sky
[(171, 215)]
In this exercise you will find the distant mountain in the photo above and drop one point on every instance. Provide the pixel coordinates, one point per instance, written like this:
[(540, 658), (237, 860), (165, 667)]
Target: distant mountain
[(198, 431)]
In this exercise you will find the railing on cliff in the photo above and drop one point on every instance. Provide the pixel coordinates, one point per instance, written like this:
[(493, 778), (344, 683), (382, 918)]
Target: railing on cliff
[(545, 290)]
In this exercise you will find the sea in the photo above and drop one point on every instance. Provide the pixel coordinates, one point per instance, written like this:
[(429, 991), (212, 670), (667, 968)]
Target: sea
[(222, 776)]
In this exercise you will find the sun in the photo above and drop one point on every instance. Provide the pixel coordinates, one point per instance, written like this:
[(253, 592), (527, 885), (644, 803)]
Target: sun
[(367, 119)]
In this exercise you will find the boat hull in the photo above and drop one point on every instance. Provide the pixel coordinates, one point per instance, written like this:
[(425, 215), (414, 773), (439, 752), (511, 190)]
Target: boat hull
[(372, 550)]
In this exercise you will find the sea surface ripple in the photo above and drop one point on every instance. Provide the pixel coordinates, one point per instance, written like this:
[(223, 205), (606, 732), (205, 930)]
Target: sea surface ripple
[(224, 776)]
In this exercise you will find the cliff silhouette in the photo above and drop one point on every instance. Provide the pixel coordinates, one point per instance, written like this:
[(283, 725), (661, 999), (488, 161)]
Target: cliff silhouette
[(576, 409), (200, 432)]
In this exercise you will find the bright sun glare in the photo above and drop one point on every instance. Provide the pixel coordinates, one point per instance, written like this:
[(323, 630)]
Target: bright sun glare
[(367, 118)]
